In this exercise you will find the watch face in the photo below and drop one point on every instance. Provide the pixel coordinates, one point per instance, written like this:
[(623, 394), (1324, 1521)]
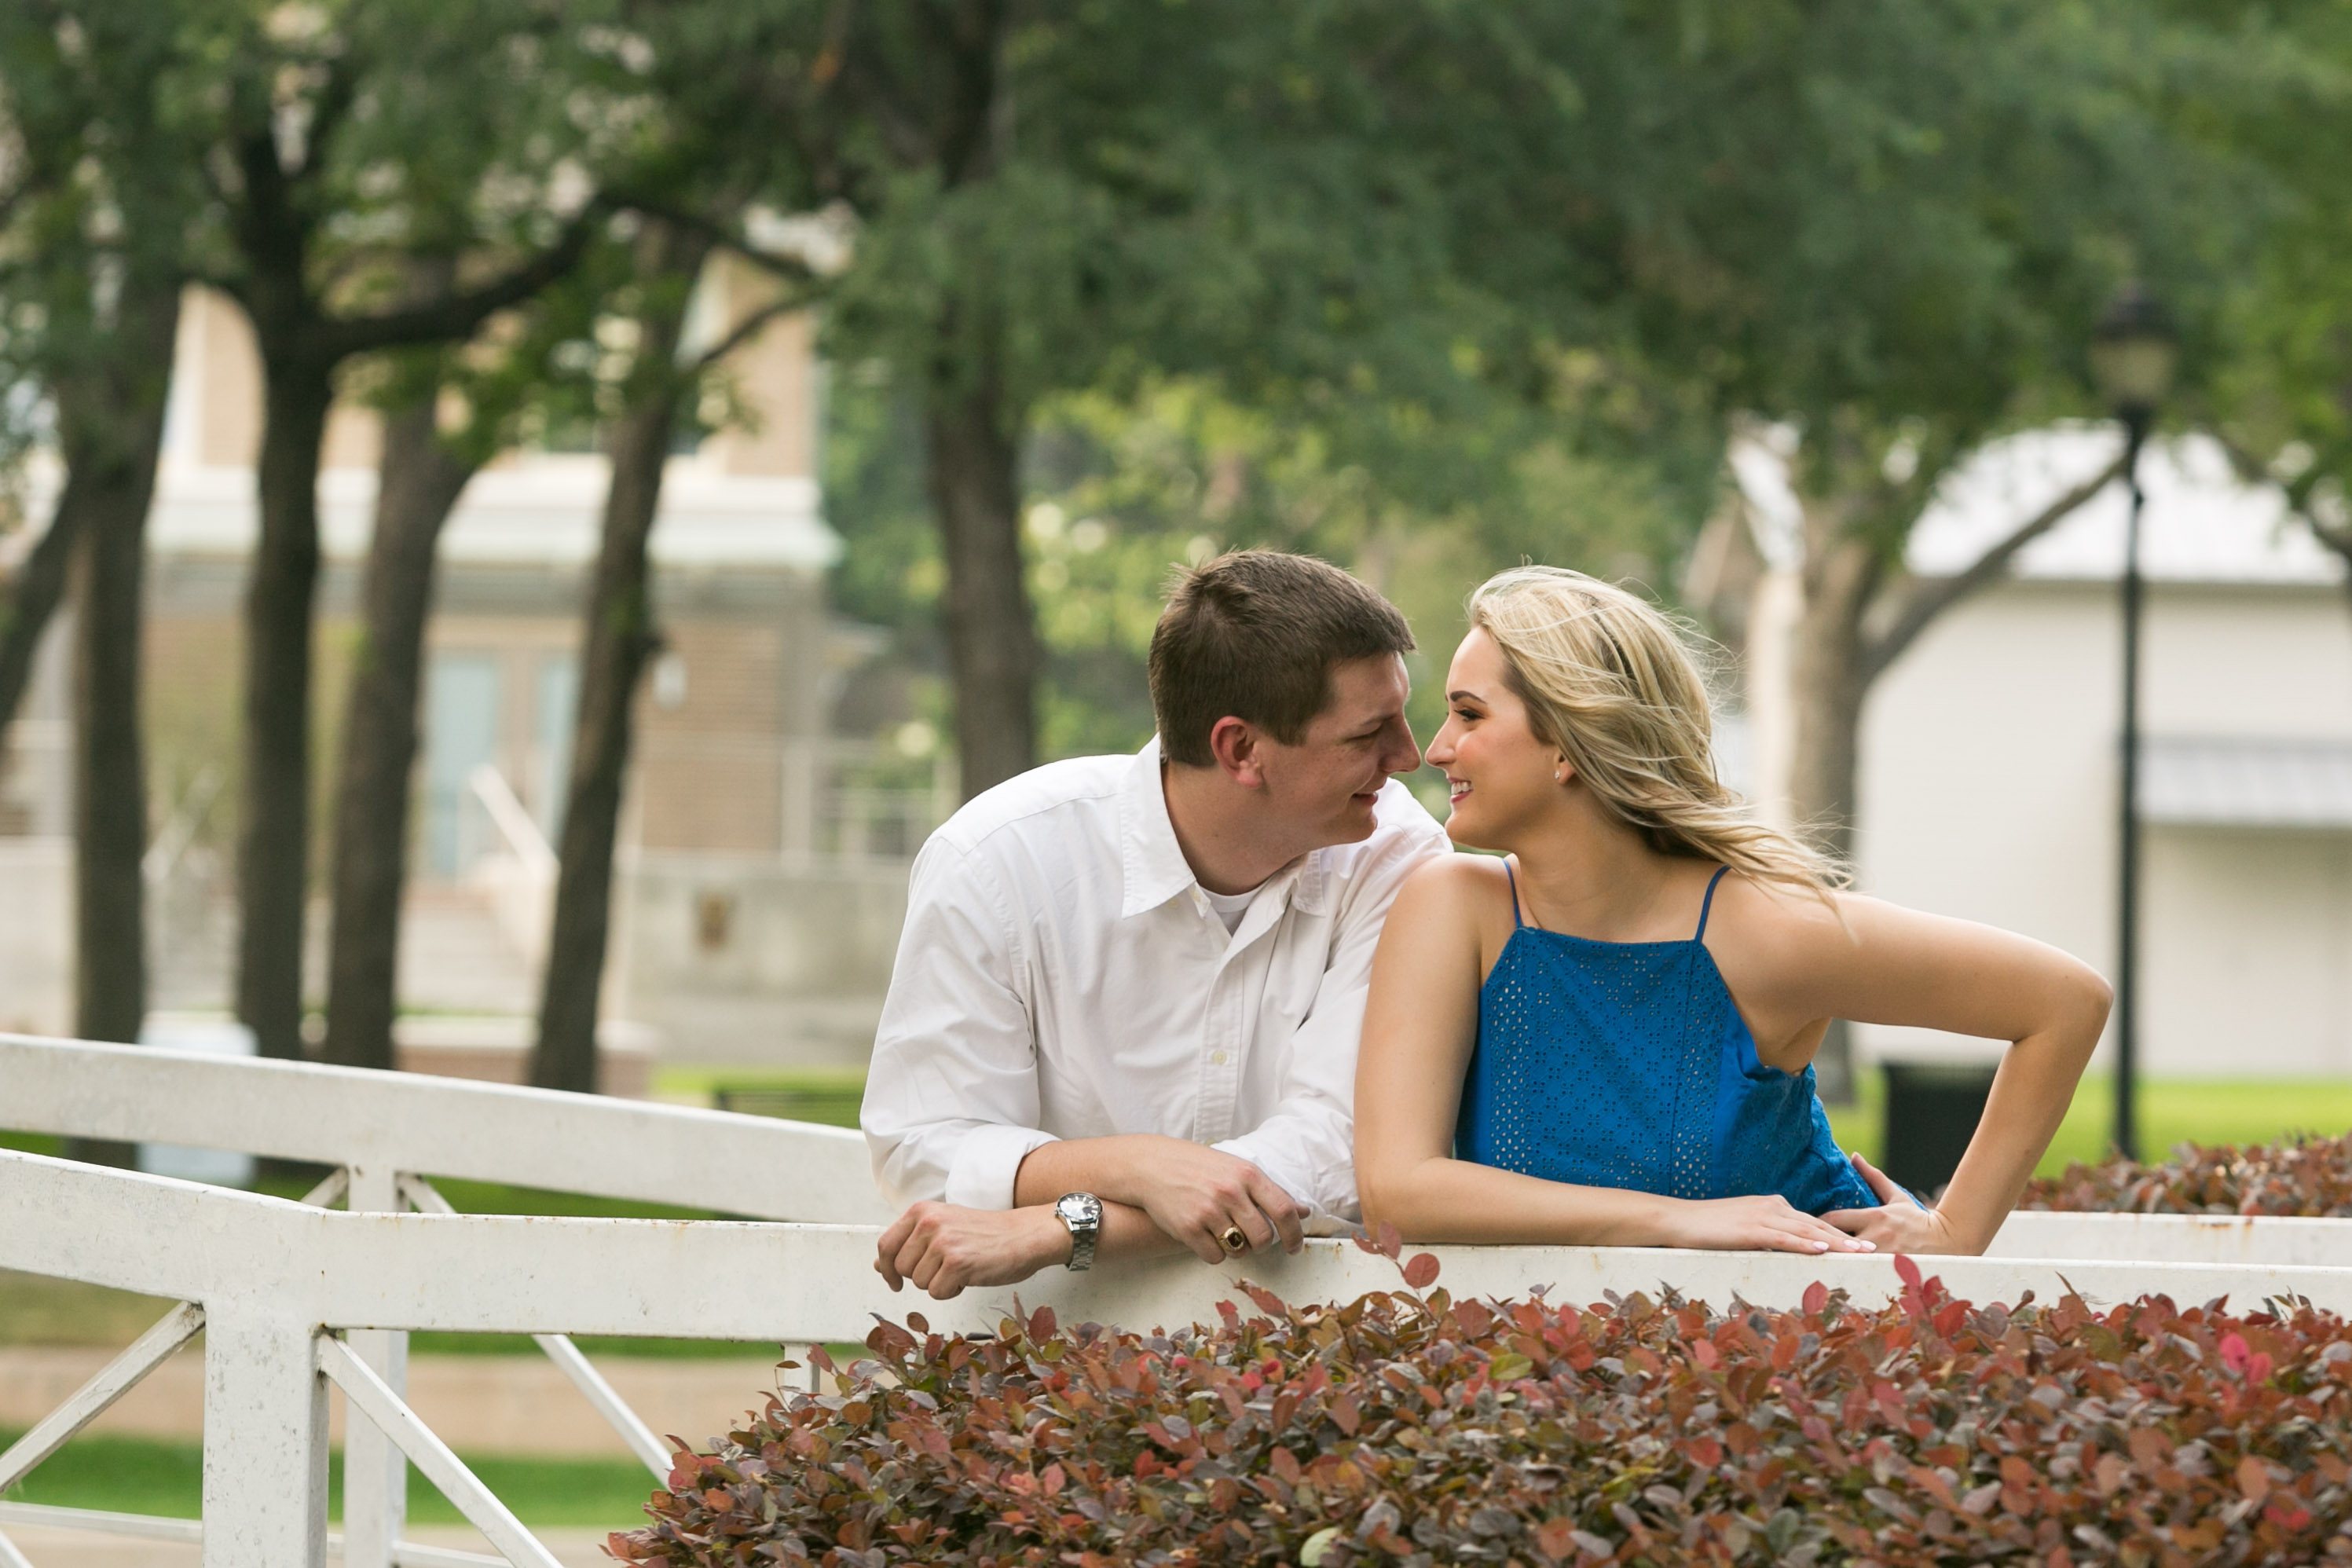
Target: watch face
[(1073, 1208)]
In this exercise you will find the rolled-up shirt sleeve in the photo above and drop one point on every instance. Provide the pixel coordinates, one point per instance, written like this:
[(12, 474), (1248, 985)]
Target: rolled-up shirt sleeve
[(1308, 1142), (952, 1100)]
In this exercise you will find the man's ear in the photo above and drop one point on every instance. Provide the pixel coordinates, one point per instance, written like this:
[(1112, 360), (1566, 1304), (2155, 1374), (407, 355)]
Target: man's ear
[(1234, 743)]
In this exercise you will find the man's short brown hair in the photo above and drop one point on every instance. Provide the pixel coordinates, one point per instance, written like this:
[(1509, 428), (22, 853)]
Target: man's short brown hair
[(1254, 635)]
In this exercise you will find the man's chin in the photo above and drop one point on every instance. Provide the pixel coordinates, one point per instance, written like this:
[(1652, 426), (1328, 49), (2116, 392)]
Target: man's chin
[(1357, 823)]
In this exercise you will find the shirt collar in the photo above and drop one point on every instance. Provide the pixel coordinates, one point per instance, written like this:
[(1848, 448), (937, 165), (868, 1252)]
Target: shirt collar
[(1150, 861), (1152, 865)]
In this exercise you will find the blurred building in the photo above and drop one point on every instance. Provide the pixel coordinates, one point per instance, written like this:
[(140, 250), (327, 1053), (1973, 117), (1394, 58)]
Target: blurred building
[(762, 859), (1991, 753)]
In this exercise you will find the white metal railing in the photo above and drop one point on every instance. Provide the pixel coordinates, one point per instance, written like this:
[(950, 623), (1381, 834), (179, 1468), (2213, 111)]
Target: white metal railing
[(181, 825), (518, 880), (384, 1134), (292, 1296), (825, 816)]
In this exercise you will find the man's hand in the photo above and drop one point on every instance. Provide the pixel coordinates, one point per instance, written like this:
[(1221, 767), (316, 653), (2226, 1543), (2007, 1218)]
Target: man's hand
[(942, 1248), (1900, 1225), (1197, 1194)]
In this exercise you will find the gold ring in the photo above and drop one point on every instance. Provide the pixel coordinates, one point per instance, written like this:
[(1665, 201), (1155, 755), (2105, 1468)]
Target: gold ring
[(1232, 1239)]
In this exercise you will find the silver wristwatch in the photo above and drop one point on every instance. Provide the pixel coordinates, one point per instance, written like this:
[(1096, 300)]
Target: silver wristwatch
[(1082, 1212)]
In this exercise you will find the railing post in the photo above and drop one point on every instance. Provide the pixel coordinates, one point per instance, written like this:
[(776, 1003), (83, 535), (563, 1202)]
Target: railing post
[(265, 1440), (376, 1474)]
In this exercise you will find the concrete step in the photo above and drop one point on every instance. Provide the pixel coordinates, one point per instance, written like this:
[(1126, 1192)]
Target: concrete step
[(46, 1548), (453, 958)]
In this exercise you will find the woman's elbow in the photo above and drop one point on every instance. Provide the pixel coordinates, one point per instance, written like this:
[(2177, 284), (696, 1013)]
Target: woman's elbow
[(2087, 999), (1385, 1195)]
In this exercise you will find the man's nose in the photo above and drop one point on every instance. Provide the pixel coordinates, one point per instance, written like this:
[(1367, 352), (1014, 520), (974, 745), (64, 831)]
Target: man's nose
[(1407, 756)]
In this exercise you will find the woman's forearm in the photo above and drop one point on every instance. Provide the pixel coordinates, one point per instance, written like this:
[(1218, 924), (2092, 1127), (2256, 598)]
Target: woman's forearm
[(1441, 1200), (2031, 1093)]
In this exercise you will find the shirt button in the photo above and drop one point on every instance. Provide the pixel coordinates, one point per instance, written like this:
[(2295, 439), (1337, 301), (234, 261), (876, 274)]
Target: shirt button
[(1216, 1059)]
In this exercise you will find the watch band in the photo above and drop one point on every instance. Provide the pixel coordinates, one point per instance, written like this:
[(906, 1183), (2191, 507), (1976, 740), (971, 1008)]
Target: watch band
[(1082, 1212)]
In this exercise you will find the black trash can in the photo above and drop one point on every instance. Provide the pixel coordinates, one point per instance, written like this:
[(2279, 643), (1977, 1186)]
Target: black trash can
[(1932, 1111)]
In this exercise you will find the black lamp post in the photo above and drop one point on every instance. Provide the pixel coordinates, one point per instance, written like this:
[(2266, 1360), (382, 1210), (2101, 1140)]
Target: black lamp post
[(2133, 350)]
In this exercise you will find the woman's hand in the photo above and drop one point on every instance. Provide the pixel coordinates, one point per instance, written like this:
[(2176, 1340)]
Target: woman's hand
[(1768, 1224), (1900, 1225)]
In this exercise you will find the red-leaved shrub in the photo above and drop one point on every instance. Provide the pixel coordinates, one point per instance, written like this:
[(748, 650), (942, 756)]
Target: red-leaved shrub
[(1421, 1430), (2301, 1175)]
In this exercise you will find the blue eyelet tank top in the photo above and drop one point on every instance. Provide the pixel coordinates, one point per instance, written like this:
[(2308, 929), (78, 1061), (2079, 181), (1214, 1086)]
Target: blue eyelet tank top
[(1613, 1064)]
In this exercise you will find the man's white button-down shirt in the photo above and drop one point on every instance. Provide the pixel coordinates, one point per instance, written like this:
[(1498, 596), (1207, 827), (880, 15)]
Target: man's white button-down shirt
[(1063, 976)]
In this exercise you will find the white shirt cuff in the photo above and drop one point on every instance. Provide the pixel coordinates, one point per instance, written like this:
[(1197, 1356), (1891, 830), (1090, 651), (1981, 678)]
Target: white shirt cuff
[(1320, 1220), (987, 1159)]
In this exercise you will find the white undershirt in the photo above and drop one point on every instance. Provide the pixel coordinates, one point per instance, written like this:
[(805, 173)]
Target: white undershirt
[(1230, 906)]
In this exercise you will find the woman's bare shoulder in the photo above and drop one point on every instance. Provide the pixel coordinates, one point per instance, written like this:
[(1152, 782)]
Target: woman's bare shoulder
[(1776, 922), (1457, 898), (1458, 883)]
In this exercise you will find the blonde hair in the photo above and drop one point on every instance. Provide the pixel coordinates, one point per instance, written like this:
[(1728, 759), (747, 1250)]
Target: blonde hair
[(1609, 683)]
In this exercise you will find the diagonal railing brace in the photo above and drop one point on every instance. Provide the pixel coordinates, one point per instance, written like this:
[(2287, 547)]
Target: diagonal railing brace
[(114, 1380), (650, 1451), (374, 1398)]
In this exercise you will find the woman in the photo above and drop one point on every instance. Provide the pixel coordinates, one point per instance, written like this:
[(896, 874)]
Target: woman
[(1606, 1036)]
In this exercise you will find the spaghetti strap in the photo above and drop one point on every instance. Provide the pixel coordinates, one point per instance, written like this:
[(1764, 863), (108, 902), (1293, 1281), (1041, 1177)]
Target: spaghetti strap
[(1516, 922), (1700, 935)]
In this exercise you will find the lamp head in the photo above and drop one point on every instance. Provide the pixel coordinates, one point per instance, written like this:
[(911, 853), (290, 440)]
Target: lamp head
[(2133, 351)]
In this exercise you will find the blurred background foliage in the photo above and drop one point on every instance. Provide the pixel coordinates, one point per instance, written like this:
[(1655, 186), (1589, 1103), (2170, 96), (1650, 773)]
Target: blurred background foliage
[(1606, 473)]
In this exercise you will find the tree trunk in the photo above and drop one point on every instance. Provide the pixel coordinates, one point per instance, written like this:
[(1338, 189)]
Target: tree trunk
[(975, 479), (619, 637), (32, 599), (273, 857), (419, 481), (1827, 673), (111, 422), (1840, 574)]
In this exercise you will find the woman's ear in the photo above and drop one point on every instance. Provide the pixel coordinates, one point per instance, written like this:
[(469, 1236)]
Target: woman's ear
[(1562, 771)]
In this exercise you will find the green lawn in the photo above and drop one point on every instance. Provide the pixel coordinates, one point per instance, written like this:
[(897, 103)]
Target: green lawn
[(137, 1475), (2171, 1111), (826, 1095)]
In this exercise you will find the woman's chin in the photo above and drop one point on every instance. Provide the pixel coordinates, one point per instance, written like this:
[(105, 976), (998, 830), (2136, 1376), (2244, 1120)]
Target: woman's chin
[(1464, 829)]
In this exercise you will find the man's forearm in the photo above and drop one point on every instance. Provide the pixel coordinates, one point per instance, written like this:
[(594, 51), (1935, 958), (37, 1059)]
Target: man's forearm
[(1127, 1234), (1100, 1166), (1207, 1201), (1103, 1166)]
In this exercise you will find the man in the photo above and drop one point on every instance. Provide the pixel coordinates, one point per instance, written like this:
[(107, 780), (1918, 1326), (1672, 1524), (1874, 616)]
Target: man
[(1124, 1016)]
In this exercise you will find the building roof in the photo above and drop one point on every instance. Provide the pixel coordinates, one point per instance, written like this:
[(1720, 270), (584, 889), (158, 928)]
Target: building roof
[(2202, 524), (2238, 782)]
